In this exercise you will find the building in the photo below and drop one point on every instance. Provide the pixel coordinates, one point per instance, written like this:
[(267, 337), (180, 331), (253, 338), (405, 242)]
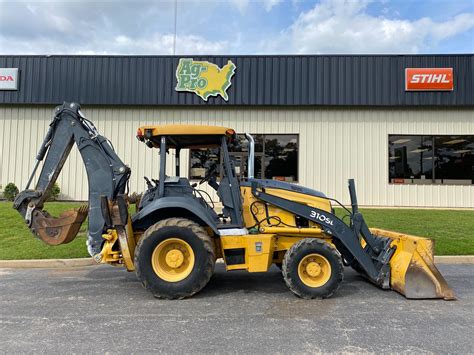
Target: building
[(406, 135)]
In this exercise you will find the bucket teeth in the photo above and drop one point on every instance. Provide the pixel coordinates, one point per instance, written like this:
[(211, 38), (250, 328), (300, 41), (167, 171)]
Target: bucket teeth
[(412, 269), (58, 230)]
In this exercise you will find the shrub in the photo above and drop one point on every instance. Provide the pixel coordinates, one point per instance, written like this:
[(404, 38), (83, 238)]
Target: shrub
[(55, 191), (10, 191)]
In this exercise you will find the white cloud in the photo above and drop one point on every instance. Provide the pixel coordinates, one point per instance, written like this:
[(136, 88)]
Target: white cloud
[(241, 5), (268, 5), (155, 44), (98, 28), (163, 44), (122, 27), (338, 26), (458, 24)]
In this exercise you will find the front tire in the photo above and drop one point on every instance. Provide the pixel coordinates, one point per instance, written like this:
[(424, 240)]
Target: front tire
[(175, 258), (312, 268)]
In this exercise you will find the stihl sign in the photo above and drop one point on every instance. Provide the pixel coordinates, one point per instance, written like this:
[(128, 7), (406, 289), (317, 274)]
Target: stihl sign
[(8, 78), (429, 79)]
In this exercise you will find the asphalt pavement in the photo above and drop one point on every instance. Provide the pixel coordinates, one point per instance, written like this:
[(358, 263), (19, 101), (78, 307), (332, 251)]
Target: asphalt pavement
[(104, 309)]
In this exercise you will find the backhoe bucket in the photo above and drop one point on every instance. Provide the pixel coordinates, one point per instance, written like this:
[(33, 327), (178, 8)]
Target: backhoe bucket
[(413, 272), (58, 230)]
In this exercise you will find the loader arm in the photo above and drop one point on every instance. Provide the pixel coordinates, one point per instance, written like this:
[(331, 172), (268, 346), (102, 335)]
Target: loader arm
[(389, 259), (373, 261), (107, 176)]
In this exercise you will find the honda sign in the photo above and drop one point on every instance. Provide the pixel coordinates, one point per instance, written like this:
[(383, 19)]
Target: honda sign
[(8, 78)]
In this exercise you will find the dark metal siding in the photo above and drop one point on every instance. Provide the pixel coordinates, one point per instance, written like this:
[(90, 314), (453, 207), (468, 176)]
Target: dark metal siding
[(357, 80)]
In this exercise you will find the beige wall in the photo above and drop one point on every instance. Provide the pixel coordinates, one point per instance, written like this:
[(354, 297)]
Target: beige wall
[(335, 144)]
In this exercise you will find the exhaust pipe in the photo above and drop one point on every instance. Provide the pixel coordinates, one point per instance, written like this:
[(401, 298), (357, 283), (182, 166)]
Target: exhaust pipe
[(250, 166)]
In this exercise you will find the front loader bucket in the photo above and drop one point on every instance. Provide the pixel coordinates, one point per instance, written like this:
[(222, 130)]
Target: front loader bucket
[(413, 272), (58, 230)]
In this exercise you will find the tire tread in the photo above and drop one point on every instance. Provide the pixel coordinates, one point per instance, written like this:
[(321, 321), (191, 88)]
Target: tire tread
[(288, 261), (207, 242)]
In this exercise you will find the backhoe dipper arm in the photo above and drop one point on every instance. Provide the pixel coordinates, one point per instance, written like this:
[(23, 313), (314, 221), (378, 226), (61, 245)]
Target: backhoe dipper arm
[(107, 176)]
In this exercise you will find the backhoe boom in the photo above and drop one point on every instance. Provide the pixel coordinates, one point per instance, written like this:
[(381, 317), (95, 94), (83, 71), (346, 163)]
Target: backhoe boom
[(107, 176)]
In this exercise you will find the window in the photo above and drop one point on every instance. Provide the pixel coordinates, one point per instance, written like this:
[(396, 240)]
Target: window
[(201, 160), (281, 157), (431, 159), (276, 157)]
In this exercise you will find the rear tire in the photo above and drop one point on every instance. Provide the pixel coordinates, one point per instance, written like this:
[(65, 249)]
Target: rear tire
[(175, 258), (312, 268)]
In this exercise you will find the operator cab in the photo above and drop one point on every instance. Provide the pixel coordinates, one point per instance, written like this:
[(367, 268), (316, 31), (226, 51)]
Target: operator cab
[(177, 138)]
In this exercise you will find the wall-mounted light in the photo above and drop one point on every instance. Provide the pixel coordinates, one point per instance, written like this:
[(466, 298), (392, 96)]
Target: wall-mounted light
[(401, 141), (455, 141), (461, 151)]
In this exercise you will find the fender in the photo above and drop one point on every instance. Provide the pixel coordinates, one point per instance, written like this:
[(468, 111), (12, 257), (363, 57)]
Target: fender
[(144, 218)]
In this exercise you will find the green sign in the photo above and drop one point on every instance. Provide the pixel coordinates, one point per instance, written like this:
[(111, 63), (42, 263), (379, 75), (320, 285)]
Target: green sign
[(203, 78)]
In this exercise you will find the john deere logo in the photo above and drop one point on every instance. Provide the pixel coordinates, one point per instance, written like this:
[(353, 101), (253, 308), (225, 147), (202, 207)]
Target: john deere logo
[(203, 78)]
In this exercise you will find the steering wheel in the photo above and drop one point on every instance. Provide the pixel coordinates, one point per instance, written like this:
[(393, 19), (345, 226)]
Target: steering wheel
[(209, 174)]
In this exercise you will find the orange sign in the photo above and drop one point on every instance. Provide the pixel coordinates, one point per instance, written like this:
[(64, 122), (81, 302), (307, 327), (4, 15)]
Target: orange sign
[(398, 181), (429, 79)]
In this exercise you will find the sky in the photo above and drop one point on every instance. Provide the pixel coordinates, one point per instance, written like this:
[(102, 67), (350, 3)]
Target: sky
[(235, 27)]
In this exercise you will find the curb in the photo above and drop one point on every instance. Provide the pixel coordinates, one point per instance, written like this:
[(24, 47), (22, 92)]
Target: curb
[(46, 263), (454, 259), (80, 262)]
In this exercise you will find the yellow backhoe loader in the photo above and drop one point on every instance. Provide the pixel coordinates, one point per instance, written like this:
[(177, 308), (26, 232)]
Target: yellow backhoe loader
[(175, 237)]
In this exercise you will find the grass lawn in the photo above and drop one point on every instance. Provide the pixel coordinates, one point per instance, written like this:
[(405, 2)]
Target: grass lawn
[(17, 242), (452, 230)]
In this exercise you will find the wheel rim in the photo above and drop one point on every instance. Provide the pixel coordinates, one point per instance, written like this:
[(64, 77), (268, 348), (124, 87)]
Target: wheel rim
[(173, 260), (314, 270)]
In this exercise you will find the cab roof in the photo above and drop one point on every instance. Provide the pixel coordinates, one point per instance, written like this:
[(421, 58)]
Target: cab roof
[(184, 136)]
